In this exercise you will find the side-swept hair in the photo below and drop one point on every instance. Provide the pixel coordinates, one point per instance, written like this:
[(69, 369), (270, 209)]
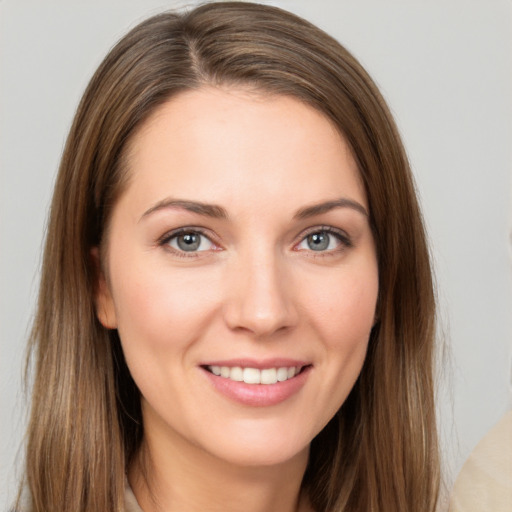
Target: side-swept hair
[(379, 453)]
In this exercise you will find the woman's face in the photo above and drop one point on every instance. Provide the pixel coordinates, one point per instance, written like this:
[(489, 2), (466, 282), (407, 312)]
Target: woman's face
[(241, 246)]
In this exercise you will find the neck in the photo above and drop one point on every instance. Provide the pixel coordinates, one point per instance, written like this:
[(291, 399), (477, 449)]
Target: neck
[(175, 476)]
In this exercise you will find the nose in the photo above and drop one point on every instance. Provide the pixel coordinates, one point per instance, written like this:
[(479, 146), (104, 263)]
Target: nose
[(259, 298)]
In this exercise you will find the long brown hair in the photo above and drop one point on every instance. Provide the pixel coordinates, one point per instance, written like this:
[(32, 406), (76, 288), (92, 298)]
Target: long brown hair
[(379, 453)]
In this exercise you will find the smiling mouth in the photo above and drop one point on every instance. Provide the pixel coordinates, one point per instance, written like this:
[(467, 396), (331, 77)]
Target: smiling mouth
[(254, 375)]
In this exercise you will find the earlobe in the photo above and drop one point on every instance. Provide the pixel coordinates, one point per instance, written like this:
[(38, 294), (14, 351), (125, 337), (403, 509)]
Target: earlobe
[(105, 311)]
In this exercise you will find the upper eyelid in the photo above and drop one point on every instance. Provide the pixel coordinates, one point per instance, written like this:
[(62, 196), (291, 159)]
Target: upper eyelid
[(329, 229), (186, 229), (322, 227)]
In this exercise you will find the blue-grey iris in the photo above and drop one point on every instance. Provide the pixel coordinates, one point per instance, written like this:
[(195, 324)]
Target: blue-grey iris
[(189, 241), (318, 241)]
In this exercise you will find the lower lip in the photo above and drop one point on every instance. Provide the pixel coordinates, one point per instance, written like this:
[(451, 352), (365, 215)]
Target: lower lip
[(259, 395)]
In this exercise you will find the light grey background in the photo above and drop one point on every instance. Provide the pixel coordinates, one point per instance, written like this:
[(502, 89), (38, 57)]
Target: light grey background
[(445, 67)]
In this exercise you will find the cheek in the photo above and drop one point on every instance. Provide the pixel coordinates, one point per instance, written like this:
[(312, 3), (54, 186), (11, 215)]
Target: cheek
[(159, 311), (343, 308), (340, 309)]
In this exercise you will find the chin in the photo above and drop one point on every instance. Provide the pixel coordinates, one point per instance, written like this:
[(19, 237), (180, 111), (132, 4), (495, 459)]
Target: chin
[(260, 448), (258, 457)]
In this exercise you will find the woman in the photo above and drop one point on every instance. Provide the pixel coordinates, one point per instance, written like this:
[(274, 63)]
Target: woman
[(236, 306)]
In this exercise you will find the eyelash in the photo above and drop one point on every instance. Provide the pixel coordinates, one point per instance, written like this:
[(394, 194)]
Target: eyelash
[(166, 239), (341, 236)]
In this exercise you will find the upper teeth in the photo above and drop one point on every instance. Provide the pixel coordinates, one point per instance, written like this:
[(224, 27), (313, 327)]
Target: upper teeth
[(254, 375)]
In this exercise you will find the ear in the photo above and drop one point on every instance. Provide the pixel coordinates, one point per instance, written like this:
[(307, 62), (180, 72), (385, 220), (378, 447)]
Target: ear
[(103, 300)]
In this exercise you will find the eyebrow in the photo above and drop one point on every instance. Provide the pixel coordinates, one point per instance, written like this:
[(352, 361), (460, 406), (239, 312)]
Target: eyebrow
[(208, 210), (318, 209), (218, 212)]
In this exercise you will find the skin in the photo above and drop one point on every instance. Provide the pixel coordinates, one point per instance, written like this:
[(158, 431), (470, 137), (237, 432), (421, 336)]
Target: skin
[(255, 289)]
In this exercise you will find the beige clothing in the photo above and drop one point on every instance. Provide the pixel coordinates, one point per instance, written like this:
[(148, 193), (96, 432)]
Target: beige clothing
[(131, 504), (485, 481)]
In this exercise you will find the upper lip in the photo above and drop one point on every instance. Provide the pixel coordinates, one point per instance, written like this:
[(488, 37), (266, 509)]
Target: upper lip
[(260, 364)]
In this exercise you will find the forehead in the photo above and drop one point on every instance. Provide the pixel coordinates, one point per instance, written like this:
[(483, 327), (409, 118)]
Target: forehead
[(211, 143)]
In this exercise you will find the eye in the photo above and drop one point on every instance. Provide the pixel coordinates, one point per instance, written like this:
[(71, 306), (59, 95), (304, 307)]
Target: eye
[(323, 240), (189, 241)]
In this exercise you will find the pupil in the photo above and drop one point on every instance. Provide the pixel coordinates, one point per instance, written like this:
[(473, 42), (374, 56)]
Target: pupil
[(318, 241), (189, 242)]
